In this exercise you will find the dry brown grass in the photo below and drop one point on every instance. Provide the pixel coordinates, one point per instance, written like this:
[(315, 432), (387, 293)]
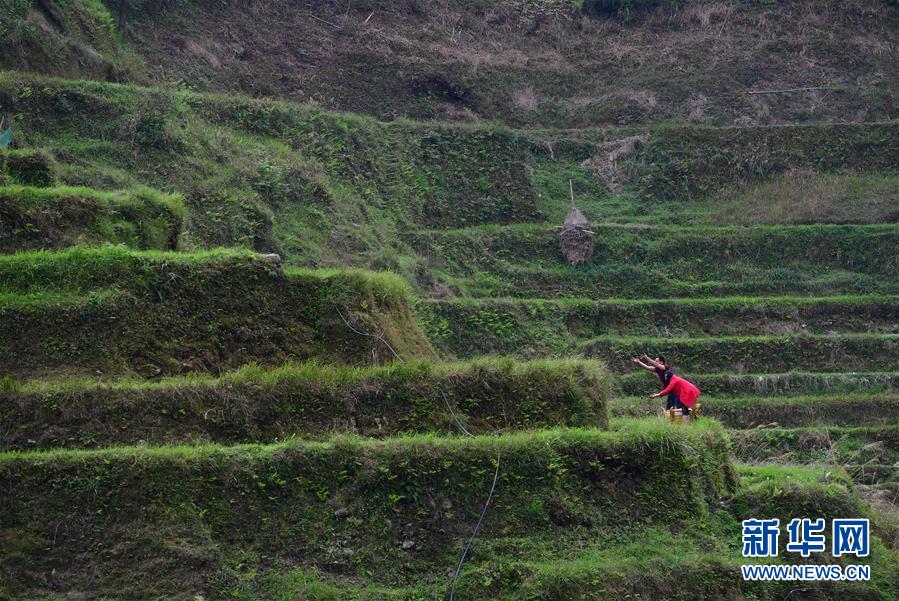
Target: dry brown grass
[(605, 160), (801, 196), (691, 62), (706, 15), (525, 99), (697, 108)]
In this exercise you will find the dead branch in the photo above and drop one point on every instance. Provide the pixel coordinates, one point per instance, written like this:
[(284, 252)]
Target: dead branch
[(788, 90), (325, 22), (379, 336)]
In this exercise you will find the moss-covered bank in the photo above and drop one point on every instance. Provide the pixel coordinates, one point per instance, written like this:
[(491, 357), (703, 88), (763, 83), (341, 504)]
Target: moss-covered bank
[(142, 523), (310, 401), (154, 314), (59, 217)]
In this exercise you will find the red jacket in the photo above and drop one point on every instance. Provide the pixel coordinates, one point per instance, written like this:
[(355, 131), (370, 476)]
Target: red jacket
[(684, 390)]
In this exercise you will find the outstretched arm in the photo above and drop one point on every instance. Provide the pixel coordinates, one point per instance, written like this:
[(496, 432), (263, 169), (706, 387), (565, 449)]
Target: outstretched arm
[(663, 392), (655, 364), (641, 364)]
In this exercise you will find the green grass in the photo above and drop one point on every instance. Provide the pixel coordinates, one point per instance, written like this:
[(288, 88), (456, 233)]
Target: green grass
[(688, 163), (59, 217), (329, 189), (855, 446), (797, 491), (862, 247), (822, 490), (753, 476), (56, 298), (553, 547), (469, 327), (644, 569), (639, 281), (659, 262), (255, 404), (856, 409), (803, 197), (303, 473), (786, 492), (323, 188), (753, 354), (793, 383), (85, 269), (172, 313), (60, 38), (798, 197), (27, 167), (237, 510)]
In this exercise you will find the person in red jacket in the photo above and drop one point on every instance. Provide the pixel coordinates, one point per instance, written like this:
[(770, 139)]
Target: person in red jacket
[(686, 391), (663, 370)]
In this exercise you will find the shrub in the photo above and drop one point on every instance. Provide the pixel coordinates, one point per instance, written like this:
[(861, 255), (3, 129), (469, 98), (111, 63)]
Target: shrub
[(59, 217), (27, 167)]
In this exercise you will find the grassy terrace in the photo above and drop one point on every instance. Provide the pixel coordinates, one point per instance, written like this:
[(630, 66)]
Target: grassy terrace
[(864, 247), (310, 401), (626, 281), (267, 491), (878, 445), (120, 312), (794, 383), (239, 524), (868, 248), (525, 261), (303, 502), (187, 416), (854, 409), (81, 270), (862, 352), (786, 492), (58, 217), (816, 489), (468, 327), (325, 188), (645, 568)]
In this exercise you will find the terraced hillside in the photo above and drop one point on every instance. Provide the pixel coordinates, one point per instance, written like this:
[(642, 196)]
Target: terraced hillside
[(258, 349), (767, 320), (536, 63)]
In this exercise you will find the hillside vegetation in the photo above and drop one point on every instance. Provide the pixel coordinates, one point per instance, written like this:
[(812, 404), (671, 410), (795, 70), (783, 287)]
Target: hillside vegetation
[(284, 313), (559, 63)]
